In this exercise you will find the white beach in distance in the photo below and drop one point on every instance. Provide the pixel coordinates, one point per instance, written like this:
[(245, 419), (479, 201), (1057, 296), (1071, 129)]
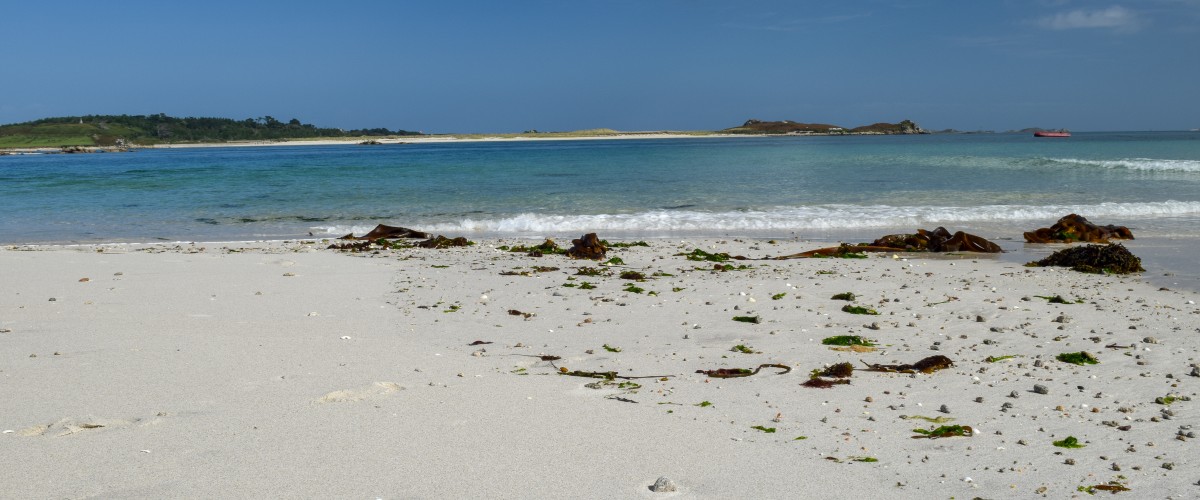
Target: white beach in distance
[(290, 370)]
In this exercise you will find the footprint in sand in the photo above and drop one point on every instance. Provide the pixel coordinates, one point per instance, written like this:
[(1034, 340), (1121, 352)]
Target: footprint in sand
[(371, 391), (68, 426)]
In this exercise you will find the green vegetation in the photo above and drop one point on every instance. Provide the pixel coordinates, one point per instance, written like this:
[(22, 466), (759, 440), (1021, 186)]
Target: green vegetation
[(743, 349), (848, 296), (624, 245), (768, 430), (932, 420), (611, 348), (748, 319), (634, 288), (1057, 299), (997, 359), (1079, 358), (859, 310), (703, 404), (112, 130), (847, 340), (702, 256), (779, 296), (945, 431), (633, 275), (1069, 442), (1166, 400), (615, 261), (586, 286), (591, 271), (864, 459)]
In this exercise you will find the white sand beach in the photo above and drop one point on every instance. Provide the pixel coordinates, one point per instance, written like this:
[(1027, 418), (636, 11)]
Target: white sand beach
[(284, 369)]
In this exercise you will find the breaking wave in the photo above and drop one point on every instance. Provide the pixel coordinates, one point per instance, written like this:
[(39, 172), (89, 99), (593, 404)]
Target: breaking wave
[(1146, 164), (822, 217)]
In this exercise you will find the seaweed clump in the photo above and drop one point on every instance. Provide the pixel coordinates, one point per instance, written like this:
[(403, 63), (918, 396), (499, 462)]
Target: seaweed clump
[(1079, 358), (944, 431), (1096, 259)]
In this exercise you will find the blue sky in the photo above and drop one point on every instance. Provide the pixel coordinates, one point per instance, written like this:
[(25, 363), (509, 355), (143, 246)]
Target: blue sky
[(493, 66)]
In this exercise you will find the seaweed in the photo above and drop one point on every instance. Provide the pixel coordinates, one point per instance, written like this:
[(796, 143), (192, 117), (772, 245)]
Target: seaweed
[(1058, 299), (748, 319), (701, 256), (944, 432), (820, 383), (800, 438), (547, 247), (847, 340), (768, 430), (863, 459), (1068, 442), (742, 372), (591, 271), (633, 275), (779, 296), (703, 404), (611, 348), (514, 312), (1166, 400), (634, 288), (1113, 487), (624, 244), (1096, 259), (926, 365), (997, 359), (932, 420), (744, 350), (847, 296), (615, 261), (859, 310), (1079, 358), (586, 286), (836, 370)]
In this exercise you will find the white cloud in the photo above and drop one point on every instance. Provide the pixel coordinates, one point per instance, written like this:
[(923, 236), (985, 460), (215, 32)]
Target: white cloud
[(1116, 18)]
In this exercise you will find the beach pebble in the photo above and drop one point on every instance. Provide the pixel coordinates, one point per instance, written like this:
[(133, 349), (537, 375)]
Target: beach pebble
[(664, 485), (1062, 318), (1150, 340), (944, 409), (1041, 389)]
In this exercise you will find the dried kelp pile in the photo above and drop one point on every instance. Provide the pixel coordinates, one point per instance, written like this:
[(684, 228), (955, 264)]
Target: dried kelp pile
[(1074, 228), (1097, 259), (938, 240), (385, 237)]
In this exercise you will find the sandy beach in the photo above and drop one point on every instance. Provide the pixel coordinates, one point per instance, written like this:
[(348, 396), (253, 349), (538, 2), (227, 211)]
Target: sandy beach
[(288, 370)]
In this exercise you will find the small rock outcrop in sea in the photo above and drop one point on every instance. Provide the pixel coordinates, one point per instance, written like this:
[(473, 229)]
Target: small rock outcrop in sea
[(1098, 259), (587, 247), (1074, 228)]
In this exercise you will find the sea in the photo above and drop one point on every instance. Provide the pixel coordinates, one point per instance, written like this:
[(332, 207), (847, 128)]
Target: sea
[(811, 188)]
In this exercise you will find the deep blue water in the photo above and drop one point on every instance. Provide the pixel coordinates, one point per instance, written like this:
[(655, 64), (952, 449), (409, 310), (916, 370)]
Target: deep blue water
[(808, 187)]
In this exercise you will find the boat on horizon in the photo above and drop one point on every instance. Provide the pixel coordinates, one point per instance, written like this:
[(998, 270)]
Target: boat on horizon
[(1052, 133)]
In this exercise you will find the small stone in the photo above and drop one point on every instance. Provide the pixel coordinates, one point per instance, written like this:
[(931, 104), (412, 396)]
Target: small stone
[(1022, 442), (1168, 465), (52, 299), (980, 319), (944, 409), (1150, 340), (1115, 467), (664, 485), (1069, 461), (1041, 389), (979, 399), (1014, 395), (1062, 318)]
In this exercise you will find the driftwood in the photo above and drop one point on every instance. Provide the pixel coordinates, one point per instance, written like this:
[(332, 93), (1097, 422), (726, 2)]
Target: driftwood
[(938, 240), (1077, 228)]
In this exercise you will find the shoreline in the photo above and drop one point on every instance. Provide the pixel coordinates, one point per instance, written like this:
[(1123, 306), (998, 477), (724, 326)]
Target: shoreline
[(177, 370)]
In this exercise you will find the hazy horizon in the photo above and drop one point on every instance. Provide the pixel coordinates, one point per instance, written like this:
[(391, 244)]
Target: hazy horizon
[(484, 67)]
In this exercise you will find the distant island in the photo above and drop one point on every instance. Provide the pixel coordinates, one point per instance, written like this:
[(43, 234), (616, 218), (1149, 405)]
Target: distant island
[(128, 130), (72, 134), (789, 127)]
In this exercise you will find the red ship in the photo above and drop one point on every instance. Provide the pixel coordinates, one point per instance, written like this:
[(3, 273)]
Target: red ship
[(1052, 133)]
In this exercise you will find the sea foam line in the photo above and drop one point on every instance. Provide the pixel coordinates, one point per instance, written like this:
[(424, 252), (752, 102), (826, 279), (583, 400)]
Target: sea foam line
[(823, 217), (1146, 164)]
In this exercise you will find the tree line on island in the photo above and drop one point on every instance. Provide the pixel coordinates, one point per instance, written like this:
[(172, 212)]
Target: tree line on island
[(116, 130)]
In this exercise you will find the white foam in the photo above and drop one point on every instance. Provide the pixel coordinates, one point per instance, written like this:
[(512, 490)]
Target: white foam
[(823, 217), (1147, 164)]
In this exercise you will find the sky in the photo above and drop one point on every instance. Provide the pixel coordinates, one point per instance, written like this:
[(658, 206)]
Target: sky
[(450, 66)]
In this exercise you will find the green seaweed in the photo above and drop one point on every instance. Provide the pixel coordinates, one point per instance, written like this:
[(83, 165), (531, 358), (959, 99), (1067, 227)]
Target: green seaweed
[(586, 286), (677, 289), (453, 308), (435, 266), (768, 430), (615, 261), (1113, 487), (1166, 400), (703, 404), (932, 420), (997, 359), (634, 288), (624, 244), (633, 275), (701, 256), (744, 350), (1069, 442), (847, 340), (611, 348), (859, 310), (748, 319), (779, 296), (800, 438), (847, 296), (863, 459), (945, 431), (591, 271), (1079, 358)]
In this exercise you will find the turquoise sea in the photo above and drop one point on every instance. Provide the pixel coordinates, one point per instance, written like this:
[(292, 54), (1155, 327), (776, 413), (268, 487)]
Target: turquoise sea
[(815, 188)]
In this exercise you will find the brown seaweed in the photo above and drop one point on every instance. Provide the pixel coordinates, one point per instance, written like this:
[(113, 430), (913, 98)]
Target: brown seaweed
[(820, 383), (587, 247), (1072, 228), (938, 240), (383, 231), (928, 365), (742, 372), (1112, 258)]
